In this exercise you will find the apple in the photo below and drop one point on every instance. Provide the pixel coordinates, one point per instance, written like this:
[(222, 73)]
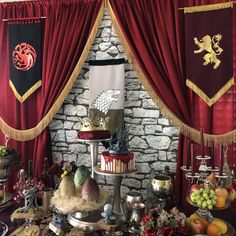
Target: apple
[(195, 187), (197, 226)]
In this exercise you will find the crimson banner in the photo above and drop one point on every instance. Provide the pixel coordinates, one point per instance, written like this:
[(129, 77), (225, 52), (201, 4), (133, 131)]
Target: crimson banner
[(209, 50), (25, 64)]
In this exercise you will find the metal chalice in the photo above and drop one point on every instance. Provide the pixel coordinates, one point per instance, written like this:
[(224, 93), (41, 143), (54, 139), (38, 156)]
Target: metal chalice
[(162, 187)]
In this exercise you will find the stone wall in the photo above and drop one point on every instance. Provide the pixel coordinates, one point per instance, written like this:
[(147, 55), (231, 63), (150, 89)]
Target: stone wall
[(151, 138)]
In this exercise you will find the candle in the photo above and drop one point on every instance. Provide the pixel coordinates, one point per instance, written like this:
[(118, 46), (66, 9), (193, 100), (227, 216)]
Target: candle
[(213, 156), (202, 141), (221, 160), (189, 154), (192, 160), (30, 169)]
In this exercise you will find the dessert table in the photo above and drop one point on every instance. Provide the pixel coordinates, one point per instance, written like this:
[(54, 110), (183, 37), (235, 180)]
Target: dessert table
[(228, 215)]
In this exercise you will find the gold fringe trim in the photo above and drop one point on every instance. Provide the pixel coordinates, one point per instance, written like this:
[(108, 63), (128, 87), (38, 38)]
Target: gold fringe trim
[(185, 129), (27, 93), (204, 97), (210, 7), (29, 134)]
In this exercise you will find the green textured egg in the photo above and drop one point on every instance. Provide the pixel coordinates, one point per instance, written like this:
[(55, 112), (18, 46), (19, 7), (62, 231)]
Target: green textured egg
[(67, 187), (82, 173)]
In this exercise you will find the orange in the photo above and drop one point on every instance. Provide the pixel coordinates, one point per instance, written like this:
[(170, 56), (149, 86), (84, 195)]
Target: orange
[(213, 230), (222, 192), (221, 224), (220, 202)]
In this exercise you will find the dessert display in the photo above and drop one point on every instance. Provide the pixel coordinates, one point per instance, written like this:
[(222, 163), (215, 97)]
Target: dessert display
[(118, 159), (79, 194), (94, 129)]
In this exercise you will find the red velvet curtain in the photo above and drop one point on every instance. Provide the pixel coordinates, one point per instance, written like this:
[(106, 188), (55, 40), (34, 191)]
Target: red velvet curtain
[(67, 28), (154, 31), (218, 119)]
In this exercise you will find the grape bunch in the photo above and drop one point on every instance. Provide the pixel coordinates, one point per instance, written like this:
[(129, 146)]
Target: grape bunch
[(204, 198), (3, 151)]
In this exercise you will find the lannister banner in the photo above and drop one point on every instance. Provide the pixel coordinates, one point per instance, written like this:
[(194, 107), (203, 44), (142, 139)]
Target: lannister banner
[(24, 56), (106, 88), (209, 50)]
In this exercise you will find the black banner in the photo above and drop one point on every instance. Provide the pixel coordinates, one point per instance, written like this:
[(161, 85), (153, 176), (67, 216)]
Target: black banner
[(25, 56)]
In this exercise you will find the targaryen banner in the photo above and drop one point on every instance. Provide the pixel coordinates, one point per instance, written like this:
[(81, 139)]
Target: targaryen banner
[(208, 40), (24, 56)]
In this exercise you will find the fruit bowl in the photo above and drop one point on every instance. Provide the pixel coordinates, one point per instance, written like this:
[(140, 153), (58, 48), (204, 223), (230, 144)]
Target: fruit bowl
[(230, 231), (227, 205), (202, 226)]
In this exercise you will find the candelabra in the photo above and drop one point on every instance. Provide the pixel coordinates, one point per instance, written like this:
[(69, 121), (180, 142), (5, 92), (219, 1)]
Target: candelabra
[(203, 170)]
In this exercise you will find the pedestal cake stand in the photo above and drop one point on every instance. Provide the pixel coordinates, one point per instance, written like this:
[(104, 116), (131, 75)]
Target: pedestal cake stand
[(117, 180), (94, 152)]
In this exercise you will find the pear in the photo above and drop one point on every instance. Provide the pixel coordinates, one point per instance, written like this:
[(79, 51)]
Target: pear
[(210, 181)]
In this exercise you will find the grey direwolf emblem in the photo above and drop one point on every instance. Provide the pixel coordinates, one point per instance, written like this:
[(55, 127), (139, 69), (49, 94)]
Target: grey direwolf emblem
[(105, 99)]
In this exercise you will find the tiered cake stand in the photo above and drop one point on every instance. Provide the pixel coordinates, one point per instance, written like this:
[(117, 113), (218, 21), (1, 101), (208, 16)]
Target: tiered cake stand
[(117, 207)]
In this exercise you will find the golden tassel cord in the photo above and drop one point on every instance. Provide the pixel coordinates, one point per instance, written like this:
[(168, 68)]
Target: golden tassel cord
[(185, 129), (210, 7), (204, 97), (29, 134)]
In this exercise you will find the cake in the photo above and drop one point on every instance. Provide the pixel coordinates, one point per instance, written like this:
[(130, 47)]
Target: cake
[(120, 163), (94, 129), (118, 159)]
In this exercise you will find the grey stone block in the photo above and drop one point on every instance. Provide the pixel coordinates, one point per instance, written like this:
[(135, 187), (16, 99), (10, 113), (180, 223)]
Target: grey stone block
[(158, 142), (77, 148), (137, 142), (71, 136), (146, 113), (57, 124)]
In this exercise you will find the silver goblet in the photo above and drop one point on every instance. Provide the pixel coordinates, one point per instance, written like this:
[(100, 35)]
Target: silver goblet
[(162, 187)]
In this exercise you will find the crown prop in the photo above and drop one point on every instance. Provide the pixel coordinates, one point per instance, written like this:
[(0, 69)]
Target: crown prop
[(86, 124)]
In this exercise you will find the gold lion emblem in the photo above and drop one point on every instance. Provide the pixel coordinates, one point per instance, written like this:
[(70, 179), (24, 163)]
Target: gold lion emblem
[(211, 45)]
